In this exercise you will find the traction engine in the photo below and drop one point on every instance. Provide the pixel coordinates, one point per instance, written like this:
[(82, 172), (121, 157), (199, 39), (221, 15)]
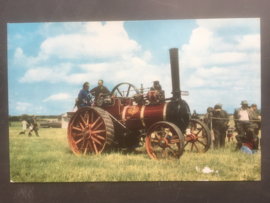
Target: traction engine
[(147, 118)]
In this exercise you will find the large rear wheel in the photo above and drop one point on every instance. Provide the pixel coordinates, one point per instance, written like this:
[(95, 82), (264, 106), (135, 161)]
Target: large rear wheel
[(90, 129)]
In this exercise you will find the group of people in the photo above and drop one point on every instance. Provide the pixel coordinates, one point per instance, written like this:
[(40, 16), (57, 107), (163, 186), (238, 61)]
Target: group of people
[(31, 125), (247, 125), (84, 96)]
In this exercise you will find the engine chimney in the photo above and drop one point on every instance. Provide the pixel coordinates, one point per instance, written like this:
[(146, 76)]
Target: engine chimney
[(175, 74)]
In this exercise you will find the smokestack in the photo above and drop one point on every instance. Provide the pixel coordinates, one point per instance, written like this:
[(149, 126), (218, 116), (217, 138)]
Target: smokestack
[(175, 74)]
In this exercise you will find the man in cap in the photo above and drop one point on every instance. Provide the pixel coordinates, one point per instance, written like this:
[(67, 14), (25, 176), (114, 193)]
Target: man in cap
[(220, 125), (207, 117), (33, 127), (243, 124), (100, 89)]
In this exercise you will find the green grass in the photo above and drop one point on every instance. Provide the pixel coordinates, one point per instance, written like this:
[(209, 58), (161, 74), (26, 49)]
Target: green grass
[(48, 158)]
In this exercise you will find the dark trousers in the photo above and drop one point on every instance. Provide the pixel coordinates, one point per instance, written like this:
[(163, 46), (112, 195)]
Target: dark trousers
[(220, 136), (243, 134), (35, 130)]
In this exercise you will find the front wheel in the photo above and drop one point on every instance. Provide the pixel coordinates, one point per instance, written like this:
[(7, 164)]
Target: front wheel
[(197, 137), (164, 141)]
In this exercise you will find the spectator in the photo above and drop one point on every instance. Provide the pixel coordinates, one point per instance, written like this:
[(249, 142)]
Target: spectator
[(194, 115), (220, 125), (255, 119), (230, 134), (24, 125), (207, 117), (243, 125), (33, 127), (250, 146)]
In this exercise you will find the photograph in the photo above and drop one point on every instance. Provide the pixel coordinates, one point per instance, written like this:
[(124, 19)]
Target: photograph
[(126, 101)]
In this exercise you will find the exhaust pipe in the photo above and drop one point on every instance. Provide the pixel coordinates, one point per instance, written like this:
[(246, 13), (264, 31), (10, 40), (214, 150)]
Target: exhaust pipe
[(176, 92)]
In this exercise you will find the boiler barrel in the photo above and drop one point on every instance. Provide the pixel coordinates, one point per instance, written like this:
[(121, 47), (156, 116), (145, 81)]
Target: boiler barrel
[(141, 116)]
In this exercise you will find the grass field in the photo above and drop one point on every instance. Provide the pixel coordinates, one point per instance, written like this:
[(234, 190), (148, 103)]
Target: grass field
[(48, 158)]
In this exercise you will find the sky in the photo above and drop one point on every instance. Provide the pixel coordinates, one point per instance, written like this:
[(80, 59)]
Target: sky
[(48, 63)]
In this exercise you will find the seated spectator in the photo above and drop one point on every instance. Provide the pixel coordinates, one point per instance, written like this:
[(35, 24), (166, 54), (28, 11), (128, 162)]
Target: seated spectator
[(250, 146), (230, 133)]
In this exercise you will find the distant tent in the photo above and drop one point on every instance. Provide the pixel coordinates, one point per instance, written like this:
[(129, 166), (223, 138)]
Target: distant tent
[(65, 121)]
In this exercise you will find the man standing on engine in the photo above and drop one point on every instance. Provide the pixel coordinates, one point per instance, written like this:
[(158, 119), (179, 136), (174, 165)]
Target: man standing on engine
[(100, 89), (84, 96)]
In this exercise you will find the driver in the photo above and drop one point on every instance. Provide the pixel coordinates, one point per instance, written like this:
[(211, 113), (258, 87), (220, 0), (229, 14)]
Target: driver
[(84, 95), (99, 89)]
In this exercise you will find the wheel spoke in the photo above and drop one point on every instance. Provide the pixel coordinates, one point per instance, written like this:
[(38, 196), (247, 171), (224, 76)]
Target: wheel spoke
[(98, 131), (95, 147), (198, 132), (79, 134), (98, 126), (87, 117), (94, 139), (166, 156), (85, 148), (100, 137), (201, 137), (186, 144), (81, 125), (155, 147), (163, 132), (201, 142), (196, 146), (82, 143), (95, 122), (191, 147), (79, 140), (119, 92), (90, 145), (156, 141), (128, 90), (83, 120), (157, 135), (175, 141), (75, 128), (172, 151)]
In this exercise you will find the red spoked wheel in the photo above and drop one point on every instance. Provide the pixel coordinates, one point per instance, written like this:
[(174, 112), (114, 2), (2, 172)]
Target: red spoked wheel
[(90, 129), (164, 141), (124, 90), (197, 137)]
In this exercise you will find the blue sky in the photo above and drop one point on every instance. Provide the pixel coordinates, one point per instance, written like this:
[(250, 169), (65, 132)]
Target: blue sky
[(48, 62)]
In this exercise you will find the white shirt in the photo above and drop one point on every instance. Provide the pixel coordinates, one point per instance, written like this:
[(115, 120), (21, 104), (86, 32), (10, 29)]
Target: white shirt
[(243, 115), (24, 124)]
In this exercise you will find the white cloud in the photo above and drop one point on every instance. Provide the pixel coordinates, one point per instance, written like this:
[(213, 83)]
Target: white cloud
[(94, 40), (28, 108), (220, 70), (252, 24), (21, 60), (56, 97), (48, 74), (21, 106)]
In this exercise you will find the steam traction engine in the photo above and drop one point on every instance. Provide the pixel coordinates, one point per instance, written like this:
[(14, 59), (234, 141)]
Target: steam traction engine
[(120, 120)]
